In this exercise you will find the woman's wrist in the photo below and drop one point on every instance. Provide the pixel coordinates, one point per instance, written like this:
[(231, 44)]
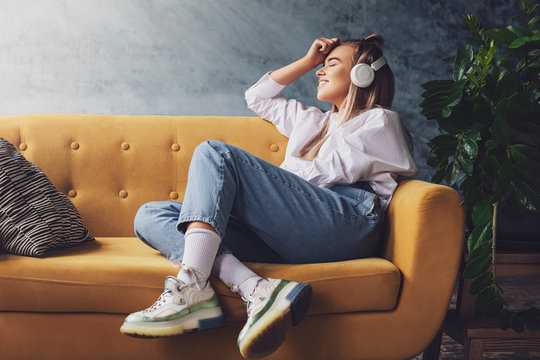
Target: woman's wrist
[(308, 63)]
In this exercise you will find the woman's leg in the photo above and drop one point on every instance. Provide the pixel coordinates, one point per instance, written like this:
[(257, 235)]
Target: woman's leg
[(301, 222), (155, 224)]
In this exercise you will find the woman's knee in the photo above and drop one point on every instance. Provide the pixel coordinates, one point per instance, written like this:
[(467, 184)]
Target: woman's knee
[(148, 213), (211, 147)]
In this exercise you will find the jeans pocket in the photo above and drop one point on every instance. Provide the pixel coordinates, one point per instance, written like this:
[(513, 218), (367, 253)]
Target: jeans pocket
[(357, 196), (350, 194)]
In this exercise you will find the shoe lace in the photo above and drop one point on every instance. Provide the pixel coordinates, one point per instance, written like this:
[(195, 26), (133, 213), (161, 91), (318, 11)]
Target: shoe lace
[(254, 299), (180, 286), (161, 300)]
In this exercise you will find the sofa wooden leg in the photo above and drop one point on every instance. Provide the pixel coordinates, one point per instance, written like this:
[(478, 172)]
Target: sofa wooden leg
[(474, 349), (433, 349)]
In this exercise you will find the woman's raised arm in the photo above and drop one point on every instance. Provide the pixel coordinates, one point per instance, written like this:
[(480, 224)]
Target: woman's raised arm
[(314, 57)]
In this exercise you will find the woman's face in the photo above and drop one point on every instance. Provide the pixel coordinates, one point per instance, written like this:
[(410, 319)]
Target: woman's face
[(334, 76)]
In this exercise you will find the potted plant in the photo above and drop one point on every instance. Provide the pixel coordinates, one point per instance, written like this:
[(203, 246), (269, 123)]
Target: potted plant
[(488, 145)]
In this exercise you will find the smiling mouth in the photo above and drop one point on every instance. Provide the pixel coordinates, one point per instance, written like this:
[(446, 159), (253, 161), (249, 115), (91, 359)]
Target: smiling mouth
[(323, 82)]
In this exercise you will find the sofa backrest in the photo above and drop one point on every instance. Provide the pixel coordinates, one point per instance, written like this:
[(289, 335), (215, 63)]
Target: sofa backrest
[(110, 165)]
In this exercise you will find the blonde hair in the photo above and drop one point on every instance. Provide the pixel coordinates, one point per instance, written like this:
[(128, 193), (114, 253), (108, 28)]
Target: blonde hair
[(379, 94)]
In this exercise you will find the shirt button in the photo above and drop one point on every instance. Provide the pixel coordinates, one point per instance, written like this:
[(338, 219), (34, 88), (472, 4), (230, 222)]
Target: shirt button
[(74, 145), (173, 195), (72, 193), (175, 147), (124, 146), (123, 194), (274, 147), (23, 146)]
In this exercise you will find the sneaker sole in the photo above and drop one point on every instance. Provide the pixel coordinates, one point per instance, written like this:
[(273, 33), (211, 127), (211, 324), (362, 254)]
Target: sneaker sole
[(289, 309), (203, 319)]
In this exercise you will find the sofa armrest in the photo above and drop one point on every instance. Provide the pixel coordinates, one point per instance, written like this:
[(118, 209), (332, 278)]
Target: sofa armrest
[(424, 230)]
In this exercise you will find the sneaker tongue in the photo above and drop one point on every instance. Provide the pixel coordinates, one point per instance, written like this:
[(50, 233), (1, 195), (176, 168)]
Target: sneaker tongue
[(171, 282)]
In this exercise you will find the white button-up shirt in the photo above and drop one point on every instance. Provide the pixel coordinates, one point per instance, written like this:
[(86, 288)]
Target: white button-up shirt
[(370, 147)]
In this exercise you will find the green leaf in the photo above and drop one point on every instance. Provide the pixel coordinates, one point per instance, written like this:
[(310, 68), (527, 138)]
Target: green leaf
[(516, 31), (493, 166), (525, 155), (480, 235), (501, 188), (444, 141), (501, 36), (479, 71), (473, 79), (491, 144), (491, 52), (525, 196), (446, 112), (477, 266), (485, 297), (519, 42), (433, 161), (509, 84), (438, 85), (452, 172), (465, 163), (470, 146), (461, 64), (439, 176), (482, 213), (455, 96), (533, 22), (481, 282), (471, 183), (476, 31), (475, 135), (505, 168), (501, 129)]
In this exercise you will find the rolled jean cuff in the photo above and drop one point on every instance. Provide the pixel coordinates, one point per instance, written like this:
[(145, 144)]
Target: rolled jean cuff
[(184, 220)]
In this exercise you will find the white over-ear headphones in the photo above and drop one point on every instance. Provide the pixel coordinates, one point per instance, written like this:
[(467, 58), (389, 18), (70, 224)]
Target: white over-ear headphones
[(362, 75)]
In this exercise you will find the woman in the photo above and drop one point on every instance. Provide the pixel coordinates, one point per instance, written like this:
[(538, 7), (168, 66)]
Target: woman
[(324, 203)]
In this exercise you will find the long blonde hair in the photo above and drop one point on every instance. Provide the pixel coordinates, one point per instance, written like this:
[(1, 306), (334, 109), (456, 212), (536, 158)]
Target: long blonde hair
[(379, 94)]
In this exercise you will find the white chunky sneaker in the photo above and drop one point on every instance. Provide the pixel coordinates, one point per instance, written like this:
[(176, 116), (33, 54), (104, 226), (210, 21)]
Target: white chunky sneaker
[(272, 308), (180, 308)]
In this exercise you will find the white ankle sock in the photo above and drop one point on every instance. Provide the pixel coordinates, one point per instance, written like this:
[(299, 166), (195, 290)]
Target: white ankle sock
[(235, 274), (200, 251)]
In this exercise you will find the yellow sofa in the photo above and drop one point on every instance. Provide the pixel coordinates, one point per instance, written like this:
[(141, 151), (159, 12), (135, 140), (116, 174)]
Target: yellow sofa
[(71, 303)]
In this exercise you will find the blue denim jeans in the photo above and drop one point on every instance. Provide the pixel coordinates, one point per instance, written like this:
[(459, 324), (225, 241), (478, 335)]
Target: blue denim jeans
[(264, 213)]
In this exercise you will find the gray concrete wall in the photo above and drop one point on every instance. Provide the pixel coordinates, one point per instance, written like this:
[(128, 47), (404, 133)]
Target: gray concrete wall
[(196, 57)]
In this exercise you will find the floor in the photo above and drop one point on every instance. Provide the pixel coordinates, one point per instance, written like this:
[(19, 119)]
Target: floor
[(521, 293)]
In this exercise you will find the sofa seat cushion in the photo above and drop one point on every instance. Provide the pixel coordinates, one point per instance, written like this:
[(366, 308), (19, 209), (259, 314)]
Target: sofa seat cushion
[(122, 275)]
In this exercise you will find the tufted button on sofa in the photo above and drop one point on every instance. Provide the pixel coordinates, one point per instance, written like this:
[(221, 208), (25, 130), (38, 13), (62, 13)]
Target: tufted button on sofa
[(71, 303)]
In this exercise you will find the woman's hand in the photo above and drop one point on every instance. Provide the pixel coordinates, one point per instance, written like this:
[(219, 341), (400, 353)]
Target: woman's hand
[(319, 50), (315, 56)]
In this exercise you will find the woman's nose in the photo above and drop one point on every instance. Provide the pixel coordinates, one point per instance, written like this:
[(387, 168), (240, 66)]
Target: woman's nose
[(320, 72)]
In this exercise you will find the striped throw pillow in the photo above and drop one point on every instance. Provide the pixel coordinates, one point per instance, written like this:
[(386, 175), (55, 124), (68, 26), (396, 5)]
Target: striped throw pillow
[(34, 216)]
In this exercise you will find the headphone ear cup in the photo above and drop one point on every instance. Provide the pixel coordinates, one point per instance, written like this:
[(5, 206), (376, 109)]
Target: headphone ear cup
[(362, 75)]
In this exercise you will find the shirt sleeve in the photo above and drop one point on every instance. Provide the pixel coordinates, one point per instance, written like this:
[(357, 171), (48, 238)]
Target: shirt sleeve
[(264, 99), (372, 152)]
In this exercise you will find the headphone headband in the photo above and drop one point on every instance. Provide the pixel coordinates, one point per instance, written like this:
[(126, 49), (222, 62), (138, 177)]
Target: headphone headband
[(379, 63)]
